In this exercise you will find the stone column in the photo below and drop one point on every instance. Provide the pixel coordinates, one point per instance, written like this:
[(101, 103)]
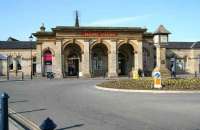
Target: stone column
[(86, 59), (194, 64), (138, 56), (112, 59), (39, 60), (57, 60), (5, 67)]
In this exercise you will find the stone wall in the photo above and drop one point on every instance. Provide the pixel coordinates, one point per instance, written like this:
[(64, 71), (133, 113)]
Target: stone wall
[(191, 57), (25, 56)]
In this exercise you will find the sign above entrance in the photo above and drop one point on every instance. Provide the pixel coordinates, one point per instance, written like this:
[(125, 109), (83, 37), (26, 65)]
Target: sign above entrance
[(99, 34)]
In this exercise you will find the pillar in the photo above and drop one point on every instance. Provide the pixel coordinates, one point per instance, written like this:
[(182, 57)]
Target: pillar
[(4, 67), (138, 57), (39, 60), (57, 60), (86, 59), (112, 59)]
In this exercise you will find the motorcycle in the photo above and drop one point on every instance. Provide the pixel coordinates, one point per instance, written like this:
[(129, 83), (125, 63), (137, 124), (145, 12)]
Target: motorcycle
[(50, 75)]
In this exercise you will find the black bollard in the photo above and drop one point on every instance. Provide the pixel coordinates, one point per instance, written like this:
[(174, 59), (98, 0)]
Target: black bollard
[(4, 112), (48, 124)]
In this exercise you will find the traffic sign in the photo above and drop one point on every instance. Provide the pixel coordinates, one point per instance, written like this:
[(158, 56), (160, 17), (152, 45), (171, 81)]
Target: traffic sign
[(157, 79)]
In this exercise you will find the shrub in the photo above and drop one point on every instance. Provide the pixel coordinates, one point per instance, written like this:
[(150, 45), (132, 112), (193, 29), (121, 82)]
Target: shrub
[(168, 84)]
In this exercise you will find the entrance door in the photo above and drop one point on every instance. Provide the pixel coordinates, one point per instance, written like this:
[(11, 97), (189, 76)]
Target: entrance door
[(47, 62), (73, 67), (125, 59), (98, 65)]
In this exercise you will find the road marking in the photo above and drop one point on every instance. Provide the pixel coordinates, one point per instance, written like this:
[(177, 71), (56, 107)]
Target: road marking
[(144, 91), (26, 122)]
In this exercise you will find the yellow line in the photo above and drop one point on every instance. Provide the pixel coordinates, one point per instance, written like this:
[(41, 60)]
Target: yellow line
[(28, 123)]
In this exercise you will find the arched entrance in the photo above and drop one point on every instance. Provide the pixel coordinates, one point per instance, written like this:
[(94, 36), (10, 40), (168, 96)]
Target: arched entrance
[(47, 58), (99, 60), (72, 58), (125, 59)]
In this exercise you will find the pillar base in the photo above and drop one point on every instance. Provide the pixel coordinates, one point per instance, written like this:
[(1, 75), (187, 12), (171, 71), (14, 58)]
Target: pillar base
[(112, 75), (86, 75), (58, 76)]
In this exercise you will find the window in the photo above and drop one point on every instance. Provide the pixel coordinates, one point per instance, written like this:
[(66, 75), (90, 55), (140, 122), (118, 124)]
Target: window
[(18, 63), (10, 62)]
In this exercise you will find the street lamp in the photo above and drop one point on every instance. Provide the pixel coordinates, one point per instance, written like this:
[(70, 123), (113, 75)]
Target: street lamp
[(31, 39)]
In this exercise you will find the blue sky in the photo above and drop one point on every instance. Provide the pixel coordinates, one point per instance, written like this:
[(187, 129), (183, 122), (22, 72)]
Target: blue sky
[(20, 18)]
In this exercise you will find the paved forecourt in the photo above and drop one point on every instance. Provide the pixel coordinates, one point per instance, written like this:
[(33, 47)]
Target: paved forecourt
[(78, 105)]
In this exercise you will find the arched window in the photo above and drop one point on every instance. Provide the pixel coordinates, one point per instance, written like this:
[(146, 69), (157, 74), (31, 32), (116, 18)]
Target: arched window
[(10, 62), (18, 63)]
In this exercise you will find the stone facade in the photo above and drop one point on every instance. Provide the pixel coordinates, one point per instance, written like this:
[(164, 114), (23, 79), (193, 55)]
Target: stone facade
[(12, 57), (99, 51), (91, 51)]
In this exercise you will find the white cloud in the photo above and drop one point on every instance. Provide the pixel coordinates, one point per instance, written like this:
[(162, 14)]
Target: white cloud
[(117, 21)]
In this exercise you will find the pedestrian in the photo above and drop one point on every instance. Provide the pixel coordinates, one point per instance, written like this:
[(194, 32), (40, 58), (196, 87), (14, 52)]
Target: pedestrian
[(173, 73)]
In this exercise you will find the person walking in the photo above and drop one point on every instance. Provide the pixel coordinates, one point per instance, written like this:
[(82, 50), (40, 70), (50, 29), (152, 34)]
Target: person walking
[(173, 73)]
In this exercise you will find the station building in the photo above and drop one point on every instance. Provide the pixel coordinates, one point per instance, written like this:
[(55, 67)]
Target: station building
[(97, 51)]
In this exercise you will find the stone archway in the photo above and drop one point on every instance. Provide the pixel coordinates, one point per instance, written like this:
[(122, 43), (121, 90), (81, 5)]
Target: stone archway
[(125, 59), (72, 59), (99, 58)]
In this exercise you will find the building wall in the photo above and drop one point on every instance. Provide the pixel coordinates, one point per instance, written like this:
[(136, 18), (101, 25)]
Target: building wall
[(148, 58), (25, 56), (191, 57), (57, 48)]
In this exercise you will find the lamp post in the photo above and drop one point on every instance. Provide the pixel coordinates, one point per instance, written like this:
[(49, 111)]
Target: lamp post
[(31, 39)]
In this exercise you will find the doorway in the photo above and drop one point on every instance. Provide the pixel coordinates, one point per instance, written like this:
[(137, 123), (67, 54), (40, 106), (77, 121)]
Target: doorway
[(73, 67), (72, 59), (122, 64), (99, 60)]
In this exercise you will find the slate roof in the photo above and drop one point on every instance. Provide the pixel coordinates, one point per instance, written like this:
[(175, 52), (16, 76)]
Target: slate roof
[(93, 28), (12, 39), (17, 45), (183, 45), (162, 30)]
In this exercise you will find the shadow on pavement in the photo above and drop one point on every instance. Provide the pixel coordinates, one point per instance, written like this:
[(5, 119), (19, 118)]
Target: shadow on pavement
[(35, 110), (69, 127), (18, 101)]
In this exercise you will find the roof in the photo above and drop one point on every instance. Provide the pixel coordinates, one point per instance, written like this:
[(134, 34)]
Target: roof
[(43, 34), (93, 28), (183, 45), (162, 30), (17, 45), (12, 39)]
